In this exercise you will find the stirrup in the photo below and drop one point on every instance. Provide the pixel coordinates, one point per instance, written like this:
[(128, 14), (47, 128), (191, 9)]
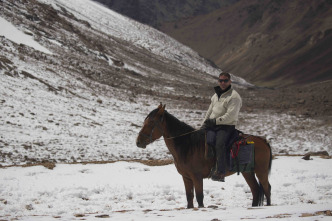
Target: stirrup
[(218, 177)]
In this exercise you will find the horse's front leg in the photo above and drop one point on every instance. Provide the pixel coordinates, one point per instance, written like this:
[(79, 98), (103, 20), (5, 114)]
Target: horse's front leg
[(188, 184), (198, 183)]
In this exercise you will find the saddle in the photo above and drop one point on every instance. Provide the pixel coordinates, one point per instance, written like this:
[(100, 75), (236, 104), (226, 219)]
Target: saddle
[(240, 153)]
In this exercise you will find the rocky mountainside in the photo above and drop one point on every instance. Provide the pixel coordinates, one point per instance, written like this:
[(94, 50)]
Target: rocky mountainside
[(115, 52), (279, 44), (269, 43), (157, 12), (78, 79), (272, 43)]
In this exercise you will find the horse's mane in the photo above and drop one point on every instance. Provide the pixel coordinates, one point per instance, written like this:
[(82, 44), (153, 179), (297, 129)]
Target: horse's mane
[(186, 144)]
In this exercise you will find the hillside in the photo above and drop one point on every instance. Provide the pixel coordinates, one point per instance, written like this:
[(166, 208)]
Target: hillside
[(78, 79), (269, 43), (157, 12), (279, 44), (72, 71)]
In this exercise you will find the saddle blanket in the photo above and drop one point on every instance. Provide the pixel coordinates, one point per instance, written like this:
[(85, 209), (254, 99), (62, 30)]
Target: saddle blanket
[(242, 158)]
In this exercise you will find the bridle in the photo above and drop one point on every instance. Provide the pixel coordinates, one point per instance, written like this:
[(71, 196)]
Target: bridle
[(157, 124)]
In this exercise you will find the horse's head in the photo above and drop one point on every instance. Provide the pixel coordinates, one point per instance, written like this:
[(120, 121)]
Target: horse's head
[(152, 127)]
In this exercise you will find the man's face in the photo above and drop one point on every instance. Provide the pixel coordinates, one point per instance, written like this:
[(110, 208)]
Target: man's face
[(224, 82)]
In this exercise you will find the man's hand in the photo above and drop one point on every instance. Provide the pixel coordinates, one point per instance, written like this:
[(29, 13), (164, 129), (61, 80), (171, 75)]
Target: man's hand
[(208, 123)]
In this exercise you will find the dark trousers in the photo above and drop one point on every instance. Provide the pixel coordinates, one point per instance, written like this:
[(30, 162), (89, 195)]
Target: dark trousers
[(219, 135)]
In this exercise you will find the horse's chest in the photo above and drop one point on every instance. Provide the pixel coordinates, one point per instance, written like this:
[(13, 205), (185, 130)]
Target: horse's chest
[(185, 169), (181, 169)]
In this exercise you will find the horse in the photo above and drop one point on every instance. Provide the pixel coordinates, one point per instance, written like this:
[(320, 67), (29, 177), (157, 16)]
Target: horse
[(187, 147)]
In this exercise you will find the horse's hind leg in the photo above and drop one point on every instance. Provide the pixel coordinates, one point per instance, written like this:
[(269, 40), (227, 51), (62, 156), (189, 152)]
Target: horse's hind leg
[(189, 186), (269, 198), (254, 187), (264, 181)]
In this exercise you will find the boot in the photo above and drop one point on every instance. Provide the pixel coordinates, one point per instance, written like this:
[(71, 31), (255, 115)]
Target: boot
[(217, 176)]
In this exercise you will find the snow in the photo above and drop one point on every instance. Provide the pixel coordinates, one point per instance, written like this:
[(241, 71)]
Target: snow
[(11, 32), (112, 23), (133, 191), (36, 124), (85, 121)]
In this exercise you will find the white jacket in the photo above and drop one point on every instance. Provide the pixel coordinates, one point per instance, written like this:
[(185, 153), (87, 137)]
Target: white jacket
[(226, 108)]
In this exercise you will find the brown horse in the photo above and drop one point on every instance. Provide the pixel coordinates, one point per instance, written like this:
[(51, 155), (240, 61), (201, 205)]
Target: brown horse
[(187, 147)]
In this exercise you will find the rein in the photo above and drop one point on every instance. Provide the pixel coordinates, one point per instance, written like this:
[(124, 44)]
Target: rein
[(169, 138)]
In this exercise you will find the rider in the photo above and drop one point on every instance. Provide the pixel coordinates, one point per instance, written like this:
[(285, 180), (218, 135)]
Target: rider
[(221, 118)]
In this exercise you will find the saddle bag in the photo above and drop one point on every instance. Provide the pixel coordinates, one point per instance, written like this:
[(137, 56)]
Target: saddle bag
[(242, 156)]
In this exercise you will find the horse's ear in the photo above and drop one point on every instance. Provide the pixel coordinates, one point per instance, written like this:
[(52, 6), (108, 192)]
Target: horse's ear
[(160, 105), (161, 109)]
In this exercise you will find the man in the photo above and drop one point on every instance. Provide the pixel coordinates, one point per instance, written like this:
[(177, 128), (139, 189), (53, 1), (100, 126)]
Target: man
[(221, 119)]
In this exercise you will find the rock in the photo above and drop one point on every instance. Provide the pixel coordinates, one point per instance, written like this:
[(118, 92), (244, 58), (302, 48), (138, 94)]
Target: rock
[(306, 156), (213, 207), (319, 153), (49, 165), (283, 151), (301, 101), (103, 216), (29, 207), (79, 215)]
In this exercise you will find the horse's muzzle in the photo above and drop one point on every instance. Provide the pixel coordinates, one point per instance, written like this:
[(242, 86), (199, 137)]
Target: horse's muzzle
[(140, 144)]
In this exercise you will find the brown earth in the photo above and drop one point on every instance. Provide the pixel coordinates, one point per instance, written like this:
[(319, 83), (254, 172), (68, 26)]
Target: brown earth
[(269, 43), (284, 45), (307, 101), (310, 100)]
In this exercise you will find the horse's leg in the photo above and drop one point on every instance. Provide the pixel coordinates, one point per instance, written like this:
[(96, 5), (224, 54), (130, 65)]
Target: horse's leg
[(263, 159), (198, 183), (264, 180), (269, 198), (254, 187), (188, 184)]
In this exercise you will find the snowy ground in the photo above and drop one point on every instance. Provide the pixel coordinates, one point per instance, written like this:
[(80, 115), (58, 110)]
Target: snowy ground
[(55, 115), (301, 190)]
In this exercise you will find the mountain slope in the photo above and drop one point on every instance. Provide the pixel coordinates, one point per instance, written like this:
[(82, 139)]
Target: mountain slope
[(156, 12), (77, 81), (267, 42), (98, 71), (270, 43)]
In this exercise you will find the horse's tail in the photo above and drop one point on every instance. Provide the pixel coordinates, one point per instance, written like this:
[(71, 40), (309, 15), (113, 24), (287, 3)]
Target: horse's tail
[(260, 195)]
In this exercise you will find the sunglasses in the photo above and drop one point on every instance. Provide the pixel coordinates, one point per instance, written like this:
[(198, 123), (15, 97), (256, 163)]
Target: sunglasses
[(225, 80)]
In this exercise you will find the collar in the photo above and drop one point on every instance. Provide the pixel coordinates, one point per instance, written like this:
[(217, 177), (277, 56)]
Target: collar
[(219, 91)]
